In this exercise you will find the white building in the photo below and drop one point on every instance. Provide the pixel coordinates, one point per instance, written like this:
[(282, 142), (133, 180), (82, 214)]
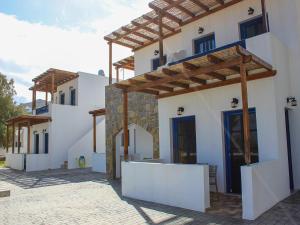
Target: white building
[(203, 116), (61, 131)]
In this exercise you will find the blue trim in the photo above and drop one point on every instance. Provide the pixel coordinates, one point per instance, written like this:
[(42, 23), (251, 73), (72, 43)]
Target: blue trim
[(46, 143), (175, 122), (289, 148), (208, 40), (241, 43), (227, 116), (253, 23)]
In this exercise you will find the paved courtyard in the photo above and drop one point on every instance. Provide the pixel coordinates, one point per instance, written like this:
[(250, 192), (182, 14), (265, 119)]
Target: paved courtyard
[(82, 197)]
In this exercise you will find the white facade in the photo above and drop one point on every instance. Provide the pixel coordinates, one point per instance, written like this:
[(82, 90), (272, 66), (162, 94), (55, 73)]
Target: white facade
[(280, 47), (70, 131)]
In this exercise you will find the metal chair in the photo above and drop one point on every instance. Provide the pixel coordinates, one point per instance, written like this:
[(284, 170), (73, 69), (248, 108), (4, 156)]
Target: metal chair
[(213, 177)]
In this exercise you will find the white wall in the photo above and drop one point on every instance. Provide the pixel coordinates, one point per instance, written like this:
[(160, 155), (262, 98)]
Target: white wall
[(84, 145), (140, 146), (37, 162), (66, 89), (99, 162), (185, 186), (14, 161), (262, 189)]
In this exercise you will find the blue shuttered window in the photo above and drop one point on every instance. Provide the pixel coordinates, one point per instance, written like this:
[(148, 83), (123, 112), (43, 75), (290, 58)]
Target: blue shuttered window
[(204, 44)]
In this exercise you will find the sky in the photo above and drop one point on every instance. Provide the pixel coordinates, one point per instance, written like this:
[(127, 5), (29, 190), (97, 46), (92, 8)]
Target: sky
[(65, 34)]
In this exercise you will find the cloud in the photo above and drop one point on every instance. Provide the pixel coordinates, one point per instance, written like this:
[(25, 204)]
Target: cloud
[(28, 49)]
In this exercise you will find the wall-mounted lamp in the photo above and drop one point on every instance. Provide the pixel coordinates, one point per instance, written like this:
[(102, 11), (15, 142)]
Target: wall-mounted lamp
[(292, 102), (180, 111), (156, 52), (234, 103), (200, 30), (250, 11)]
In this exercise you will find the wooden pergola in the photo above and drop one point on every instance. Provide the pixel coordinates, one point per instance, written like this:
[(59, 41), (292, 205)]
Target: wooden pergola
[(228, 65), (95, 114), (48, 82), (165, 20), (23, 121), (127, 63)]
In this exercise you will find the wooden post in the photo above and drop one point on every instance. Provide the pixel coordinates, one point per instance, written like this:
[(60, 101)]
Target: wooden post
[(246, 123), (161, 44), (7, 137), (13, 138), (19, 138), (125, 124), (34, 97), (94, 133), (46, 98), (264, 15), (28, 138), (52, 88), (110, 62), (117, 74)]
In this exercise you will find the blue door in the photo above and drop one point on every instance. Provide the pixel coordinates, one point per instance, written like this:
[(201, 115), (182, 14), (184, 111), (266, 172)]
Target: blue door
[(204, 44), (73, 97), (234, 146), (46, 143), (184, 140), (36, 143), (288, 139), (251, 28)]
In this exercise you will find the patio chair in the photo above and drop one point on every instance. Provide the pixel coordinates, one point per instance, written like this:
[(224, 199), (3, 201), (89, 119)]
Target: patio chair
[(213, 177)]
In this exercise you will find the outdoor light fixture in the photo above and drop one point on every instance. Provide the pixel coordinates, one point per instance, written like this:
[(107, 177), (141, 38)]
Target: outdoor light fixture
[(292, 102), (200, 30), (234, 103), (250, 11), (180, 111), (156, 52)]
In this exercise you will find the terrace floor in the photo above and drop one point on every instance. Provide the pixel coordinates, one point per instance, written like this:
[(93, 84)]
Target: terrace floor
[(82, 197)]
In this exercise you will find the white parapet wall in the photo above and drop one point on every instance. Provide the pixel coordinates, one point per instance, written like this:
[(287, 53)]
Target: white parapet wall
[(15, 161), (263, 186), (185, 186), (99, 162), (37, 162)]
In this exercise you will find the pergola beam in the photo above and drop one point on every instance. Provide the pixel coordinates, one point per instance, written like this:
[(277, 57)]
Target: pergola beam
[(125, 124), (165, 13), (200, 5)]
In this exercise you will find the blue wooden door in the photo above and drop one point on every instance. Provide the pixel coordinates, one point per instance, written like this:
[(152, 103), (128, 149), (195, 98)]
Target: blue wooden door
[(234, 146), (46, 143), (251, 28), (184, 140), (288, 139), (36, 143)]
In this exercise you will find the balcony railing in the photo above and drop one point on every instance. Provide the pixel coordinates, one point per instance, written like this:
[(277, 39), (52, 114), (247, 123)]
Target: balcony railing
[(42, 110)]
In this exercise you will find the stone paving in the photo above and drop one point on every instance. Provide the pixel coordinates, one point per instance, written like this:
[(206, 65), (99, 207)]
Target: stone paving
[(82, 197)]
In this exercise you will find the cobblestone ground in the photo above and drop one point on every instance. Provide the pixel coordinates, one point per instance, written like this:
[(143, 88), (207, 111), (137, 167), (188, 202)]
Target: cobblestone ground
[(83, 197)]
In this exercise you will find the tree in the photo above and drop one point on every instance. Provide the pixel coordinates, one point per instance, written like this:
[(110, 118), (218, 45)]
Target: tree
[(8, 107)]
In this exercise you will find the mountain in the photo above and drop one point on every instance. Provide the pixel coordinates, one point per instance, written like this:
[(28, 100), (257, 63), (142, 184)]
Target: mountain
[(28, 106)]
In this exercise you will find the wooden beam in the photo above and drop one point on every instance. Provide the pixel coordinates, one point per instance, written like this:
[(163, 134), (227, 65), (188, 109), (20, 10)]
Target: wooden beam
[(110, 62), (19, 138), (94, 133), (156, 21), (216, 60), (198, 80), (13, 138), (237, 80), (175, 83), (165, 13), (28, 138), (216, 75), (46, 98), (34, 97), (145, 27), (247, 149), (221, 2), (181, 8), (185, 75), (149, 91), (200, 5), (125, 124), (163, 88), (52, 88), (137, 34), (161, 39), (264, 15)]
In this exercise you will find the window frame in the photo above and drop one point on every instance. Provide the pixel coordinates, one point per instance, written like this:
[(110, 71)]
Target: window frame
[(60, 95), (252, 19), (73, 90), (157, 58)]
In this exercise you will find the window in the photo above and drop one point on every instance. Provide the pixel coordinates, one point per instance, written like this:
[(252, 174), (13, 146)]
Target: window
[(62, 98), (156, 63), (46, 143), (251, 28), (73, 97), (204, 44)]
